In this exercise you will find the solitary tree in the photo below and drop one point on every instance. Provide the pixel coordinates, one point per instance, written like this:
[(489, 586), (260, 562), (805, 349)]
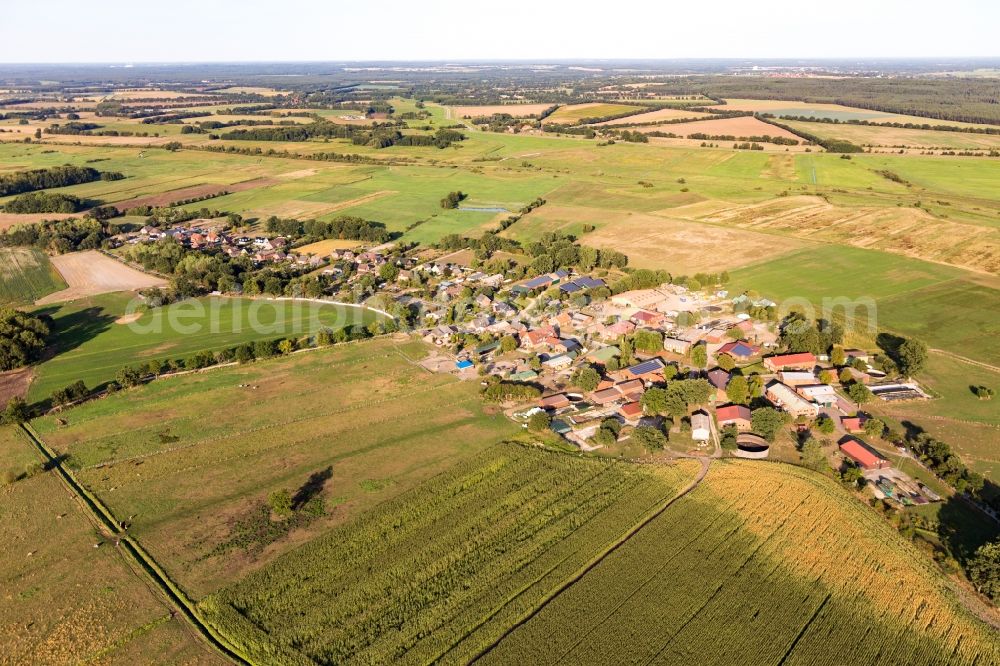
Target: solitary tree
[(699, 356), (912, 357)]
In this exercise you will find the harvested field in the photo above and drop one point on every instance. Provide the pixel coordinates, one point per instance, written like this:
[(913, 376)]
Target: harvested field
[(574, 113), (325, 247), (654, 116), (908, 231), (91, 273), (194, 192), (660, 240), (780, 107), (868, 135), (745, 126), (8, 220), (516, 110)]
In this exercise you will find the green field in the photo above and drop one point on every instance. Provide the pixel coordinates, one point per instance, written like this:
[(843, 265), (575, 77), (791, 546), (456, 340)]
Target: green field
[(92, 346), (761, 564), (192, 458), (65, 601), (943, 306), (450, 566), (26, 275)]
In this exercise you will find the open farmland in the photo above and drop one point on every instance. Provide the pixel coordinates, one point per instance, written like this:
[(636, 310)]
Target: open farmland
[(194, 192), (761, 564), (778, 107), (515, 110), (95, 337), (895, 137), (194, 458), (742, 126), (654, 117), (909, 295), (574, 113), (65, 601), (25, 275), (91, 273), (453, 563)]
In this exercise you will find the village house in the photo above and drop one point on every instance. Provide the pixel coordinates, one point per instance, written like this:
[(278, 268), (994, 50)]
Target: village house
[(538, 337), (740, 351), (853, 423), (822, 394), (788, 400), (556, 401), (799, 361), (631, 412), (718, 378), (650, 370), (735, 415), (647, 319)]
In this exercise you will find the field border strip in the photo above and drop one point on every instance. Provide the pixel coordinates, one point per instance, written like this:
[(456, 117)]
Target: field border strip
[(158, 576)]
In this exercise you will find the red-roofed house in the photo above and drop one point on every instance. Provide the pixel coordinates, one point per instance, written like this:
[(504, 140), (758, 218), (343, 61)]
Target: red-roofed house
[(538, 336), (802, 361), (862, 455), (631, 411), (737, 415), (741, 351), (645, 318), (557, 401)]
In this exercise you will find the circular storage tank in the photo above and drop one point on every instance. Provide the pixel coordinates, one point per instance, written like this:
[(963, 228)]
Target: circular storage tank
[(749, 445)]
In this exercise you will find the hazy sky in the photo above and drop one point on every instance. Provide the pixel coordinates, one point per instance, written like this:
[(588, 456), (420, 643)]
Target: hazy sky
[(232, 30)]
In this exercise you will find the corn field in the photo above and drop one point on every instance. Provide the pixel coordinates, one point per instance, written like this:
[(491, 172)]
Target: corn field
[(441, 572), (761, 564)]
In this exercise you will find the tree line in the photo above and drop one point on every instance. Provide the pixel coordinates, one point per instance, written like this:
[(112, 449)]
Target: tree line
[(60, 176)]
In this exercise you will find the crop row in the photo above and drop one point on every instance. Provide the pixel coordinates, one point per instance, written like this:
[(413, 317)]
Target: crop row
[(445, 567)]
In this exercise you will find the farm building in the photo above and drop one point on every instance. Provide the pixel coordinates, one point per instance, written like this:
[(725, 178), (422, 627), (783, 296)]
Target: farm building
[(822, 394), (556, 401), (737, 415), (801, 361), (788, 400), (606, 396), (796, 377), (864, 456), (853, 423), (646, 318), (676, 346), (701, 427), (631, 412)]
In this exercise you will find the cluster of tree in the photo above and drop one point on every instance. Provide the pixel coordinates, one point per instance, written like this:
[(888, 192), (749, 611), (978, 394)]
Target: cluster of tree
[(22, 338), (629, 136), (939, 457), (607, 433), (58, 236), (60, 176), (385, 138), (452, 199), (46, 202), (798, 334), (347, 227), (508, 221), (553, 251), (578, 130), (677, 398), (908, 354), (702, 136), (75, 391), (503, 391), (72, 128), (768, 421)]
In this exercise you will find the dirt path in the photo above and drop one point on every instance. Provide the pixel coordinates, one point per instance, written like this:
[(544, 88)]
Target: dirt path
[(621, 541), (963, 359)]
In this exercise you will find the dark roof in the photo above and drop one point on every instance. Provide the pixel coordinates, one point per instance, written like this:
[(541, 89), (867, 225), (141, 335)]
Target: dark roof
[(589, 282), (570, 287), (718, 378), (540, 281), (652, 365)]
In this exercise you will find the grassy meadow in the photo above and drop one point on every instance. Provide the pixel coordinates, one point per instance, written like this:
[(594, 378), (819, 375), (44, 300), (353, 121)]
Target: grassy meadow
[(193, 458), (94, 337), (66, 601)]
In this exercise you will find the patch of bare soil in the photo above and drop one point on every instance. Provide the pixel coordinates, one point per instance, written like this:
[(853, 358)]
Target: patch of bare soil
[(91, 273)]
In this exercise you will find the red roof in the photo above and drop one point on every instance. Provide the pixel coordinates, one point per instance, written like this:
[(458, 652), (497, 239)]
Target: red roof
[(851, 423), (854, 450), (801, 358), (631, 409), (732, 413)]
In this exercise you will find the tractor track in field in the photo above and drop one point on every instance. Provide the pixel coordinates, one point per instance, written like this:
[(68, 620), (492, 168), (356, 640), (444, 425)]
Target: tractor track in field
[(576, 577)]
